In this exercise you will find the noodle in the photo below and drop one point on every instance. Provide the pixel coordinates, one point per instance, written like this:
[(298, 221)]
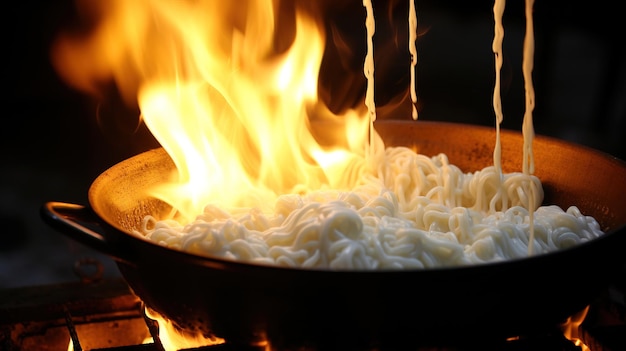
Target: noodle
[(432, 215), (498, 10), (368, 66), (528, 165), (413, 52)]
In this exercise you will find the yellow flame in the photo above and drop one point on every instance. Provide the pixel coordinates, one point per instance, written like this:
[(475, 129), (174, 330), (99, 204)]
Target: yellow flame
[(571, 328), (230, 104), (173, 339)]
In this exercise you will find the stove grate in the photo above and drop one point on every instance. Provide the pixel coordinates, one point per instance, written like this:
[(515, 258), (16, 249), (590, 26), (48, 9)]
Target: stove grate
[(106, 316)]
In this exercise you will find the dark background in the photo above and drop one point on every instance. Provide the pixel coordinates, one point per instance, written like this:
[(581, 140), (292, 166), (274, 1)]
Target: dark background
[(53, 145)]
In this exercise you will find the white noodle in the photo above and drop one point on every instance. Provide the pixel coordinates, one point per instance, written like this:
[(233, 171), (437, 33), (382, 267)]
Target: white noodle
[(419, 212), (368, 66), (528, 165), (529, 52), (413, 52), (498, 10)]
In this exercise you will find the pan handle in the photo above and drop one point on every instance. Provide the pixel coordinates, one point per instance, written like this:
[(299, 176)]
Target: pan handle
[(81, 224)]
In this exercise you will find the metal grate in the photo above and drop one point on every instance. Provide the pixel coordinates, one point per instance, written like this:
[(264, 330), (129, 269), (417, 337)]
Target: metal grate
[(106, 316)]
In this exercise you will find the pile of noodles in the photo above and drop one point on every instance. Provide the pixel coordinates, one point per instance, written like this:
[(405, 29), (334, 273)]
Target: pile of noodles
[(411, 212)]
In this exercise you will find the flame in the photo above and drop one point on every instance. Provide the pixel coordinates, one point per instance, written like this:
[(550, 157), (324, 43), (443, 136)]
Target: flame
[(173, 339), (231, 103), (571, 329)]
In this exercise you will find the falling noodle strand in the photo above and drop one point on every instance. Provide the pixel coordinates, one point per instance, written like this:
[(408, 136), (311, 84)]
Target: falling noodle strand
[(413, 52), (528, 166)]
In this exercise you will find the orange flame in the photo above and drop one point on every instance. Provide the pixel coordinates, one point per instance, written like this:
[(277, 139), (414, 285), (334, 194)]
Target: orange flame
[(216, 88), (173, 339), (571, 328)]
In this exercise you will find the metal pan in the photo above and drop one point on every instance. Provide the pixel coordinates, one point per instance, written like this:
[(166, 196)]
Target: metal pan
[(245, 303)]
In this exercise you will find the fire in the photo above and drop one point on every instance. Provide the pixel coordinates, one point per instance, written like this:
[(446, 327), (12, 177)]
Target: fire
[(571, 328), (172, 338), (231, 103)]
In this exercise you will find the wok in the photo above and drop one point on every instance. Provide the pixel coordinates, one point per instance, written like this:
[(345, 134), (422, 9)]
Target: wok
[(245, 303)]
